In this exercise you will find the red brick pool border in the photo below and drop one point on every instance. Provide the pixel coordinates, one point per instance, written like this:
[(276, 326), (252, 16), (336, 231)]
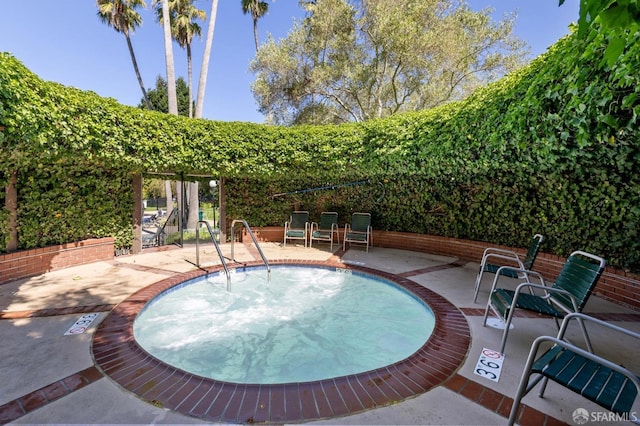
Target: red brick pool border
[(117, 354)]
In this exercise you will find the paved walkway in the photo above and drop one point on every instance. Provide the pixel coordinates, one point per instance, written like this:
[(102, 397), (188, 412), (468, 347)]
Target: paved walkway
[(49, 377)]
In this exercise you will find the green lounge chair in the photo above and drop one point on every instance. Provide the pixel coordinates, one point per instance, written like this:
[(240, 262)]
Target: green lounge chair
[(600, 380), (492, 254), (570, 292), (358, 231), (326, 229), (297, 227)]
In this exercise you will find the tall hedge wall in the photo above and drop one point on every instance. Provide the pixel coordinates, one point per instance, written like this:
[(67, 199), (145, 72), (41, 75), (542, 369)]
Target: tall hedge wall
[(553, 149)]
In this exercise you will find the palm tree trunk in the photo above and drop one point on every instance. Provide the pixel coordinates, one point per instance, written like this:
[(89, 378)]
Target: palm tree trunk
[(169, 195), (194, 205), (168, 54), (190, 79), (205, 59), (180, 201), (255, 32), (137, 71)]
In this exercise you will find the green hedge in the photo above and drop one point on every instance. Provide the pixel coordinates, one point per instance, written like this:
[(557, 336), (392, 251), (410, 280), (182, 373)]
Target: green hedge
[(553, 148)]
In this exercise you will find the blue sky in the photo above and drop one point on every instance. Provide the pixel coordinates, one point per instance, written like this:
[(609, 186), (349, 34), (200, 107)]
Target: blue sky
[(64, 41)]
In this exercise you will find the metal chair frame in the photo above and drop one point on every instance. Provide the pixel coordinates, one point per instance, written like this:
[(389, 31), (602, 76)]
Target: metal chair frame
[(295, 228), (600, 380), (325, 229), (493, 254), (359, 231), (556, 300)]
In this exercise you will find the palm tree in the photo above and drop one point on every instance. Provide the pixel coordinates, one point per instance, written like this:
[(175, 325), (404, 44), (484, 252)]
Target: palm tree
[(179, 15), (183, 15), (204, 69), (121, 15), (257, 9), (168, 54)]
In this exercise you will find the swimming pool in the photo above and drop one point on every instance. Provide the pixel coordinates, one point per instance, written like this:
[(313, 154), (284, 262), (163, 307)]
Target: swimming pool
[(117, 354), (305, 324)]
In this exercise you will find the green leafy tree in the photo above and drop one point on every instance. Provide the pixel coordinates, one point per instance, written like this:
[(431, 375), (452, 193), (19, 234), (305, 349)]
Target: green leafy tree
[(153, 188), (121, 15), (158, 96), (355, 60), (257, 9)]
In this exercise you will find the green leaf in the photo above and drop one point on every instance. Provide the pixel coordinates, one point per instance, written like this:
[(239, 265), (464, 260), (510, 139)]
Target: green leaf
[(614, 50)]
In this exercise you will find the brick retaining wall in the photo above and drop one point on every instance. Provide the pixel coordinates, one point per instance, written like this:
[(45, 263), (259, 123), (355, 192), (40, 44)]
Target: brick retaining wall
[(28, 263), (614, 285)]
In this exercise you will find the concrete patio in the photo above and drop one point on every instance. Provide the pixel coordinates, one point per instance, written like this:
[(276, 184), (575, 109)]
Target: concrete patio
[(49, 377)]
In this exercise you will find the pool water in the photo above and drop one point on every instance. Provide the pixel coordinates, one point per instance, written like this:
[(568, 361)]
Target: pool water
[(305, 324)]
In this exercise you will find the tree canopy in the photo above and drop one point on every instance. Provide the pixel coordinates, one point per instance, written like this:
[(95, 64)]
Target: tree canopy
[(158, 96), (354, 60)]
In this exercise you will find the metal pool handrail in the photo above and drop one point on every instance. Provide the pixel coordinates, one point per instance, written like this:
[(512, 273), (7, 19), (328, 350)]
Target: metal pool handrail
[(255, 241), (215, 243)]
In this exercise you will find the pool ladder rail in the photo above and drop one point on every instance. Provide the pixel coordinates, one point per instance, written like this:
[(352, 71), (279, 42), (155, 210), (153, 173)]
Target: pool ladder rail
[(221, 256), (215, 243), (255, 242)]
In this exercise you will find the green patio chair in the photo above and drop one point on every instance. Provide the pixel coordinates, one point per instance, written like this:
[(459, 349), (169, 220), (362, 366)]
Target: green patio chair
[(358, 231), (297, 227), (600, 380), (326, 229), (570, 292), (491, 256)]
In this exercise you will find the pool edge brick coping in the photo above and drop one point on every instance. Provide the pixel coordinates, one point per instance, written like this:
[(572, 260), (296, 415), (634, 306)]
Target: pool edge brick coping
[(119, 357)]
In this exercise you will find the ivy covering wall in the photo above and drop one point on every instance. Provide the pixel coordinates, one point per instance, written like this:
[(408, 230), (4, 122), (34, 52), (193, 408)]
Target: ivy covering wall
[(553, 149)]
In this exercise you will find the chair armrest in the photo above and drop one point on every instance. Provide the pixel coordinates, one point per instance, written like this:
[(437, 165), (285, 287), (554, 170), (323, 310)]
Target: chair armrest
[(585, 317), (519, 270), (545, 288), (501, 256), (493, 250)]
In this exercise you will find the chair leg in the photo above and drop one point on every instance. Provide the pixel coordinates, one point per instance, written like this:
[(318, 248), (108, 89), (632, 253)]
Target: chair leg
[(517, 398), (486, 312), (344, 239), (476, 289), (526, 384), (507, 324), (543, 387), (585, 334)]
